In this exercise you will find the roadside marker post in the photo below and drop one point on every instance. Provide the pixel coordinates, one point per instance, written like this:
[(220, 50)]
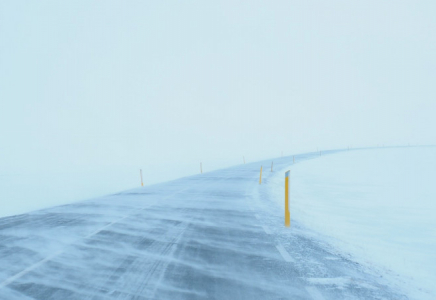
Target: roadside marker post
[(287, 214), (140, 172), (260, 178)]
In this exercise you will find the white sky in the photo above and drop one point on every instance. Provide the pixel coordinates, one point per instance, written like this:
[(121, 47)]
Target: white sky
[(163, 85)]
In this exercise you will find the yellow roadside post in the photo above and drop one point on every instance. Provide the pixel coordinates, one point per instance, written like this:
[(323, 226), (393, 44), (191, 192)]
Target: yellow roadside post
[(140, 172), (260, 178), (287, 214)]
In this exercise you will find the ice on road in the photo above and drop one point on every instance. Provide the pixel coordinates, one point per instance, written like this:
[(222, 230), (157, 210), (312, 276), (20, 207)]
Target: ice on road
[(218, 235)]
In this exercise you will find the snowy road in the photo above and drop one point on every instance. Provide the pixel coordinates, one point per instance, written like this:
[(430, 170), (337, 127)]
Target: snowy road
[(211, 236)]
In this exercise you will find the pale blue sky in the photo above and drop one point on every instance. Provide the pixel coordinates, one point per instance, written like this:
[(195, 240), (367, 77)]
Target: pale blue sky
[(163, 85)]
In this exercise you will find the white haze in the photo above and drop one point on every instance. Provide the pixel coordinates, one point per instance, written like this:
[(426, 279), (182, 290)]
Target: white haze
[(92, 91)]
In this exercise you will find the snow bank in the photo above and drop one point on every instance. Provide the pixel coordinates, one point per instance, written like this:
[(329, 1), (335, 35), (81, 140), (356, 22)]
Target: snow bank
[(378, 205)]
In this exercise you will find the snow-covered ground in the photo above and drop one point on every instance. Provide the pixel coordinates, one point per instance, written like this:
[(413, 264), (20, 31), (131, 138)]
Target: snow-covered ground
[(22, 192), (377, 205), (210, 236)]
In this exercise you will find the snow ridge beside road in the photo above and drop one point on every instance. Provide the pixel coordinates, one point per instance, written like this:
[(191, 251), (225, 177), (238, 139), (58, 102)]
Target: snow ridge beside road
[(376, 205)]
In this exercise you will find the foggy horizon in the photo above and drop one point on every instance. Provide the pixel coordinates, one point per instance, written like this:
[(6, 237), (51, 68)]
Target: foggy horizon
[(93, 87)]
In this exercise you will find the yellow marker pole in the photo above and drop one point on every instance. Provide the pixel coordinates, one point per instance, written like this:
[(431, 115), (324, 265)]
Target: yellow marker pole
[(260, 178), (287, 214), (140, 172), (201, 168), (272, 166)]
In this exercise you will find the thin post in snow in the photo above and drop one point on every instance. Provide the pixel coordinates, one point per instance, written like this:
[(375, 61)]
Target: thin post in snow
[(287, 213), (260, 178)]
